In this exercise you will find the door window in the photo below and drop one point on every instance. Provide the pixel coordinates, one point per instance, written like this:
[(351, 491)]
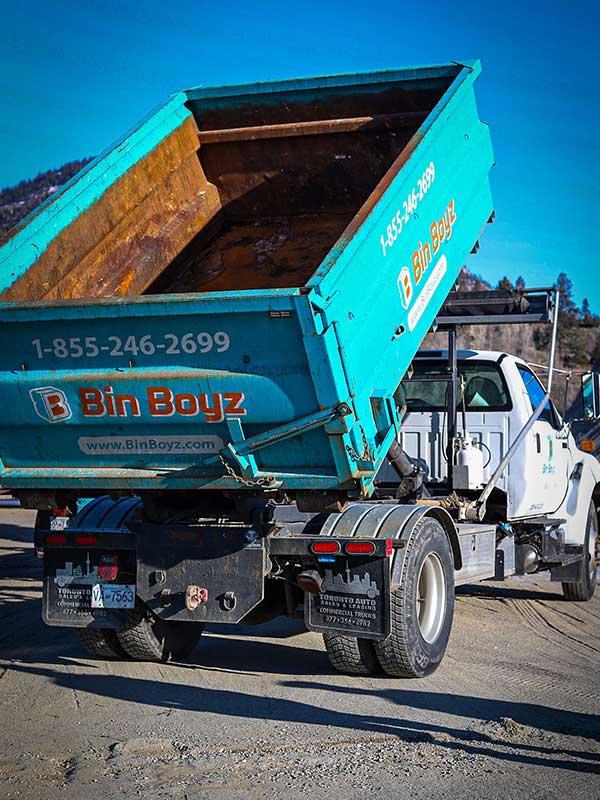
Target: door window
[(536, 393)]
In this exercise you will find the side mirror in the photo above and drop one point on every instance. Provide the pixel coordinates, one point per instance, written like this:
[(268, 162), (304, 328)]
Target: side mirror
[(590, 395)]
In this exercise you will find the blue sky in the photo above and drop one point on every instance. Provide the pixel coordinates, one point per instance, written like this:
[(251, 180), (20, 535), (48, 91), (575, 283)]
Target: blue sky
[(75, 75)]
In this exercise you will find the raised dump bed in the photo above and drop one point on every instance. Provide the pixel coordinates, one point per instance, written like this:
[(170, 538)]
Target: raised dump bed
[(294, 242)]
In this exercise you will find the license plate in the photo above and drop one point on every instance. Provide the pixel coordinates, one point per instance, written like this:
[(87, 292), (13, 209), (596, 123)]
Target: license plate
[(58, 523), (113, 595)]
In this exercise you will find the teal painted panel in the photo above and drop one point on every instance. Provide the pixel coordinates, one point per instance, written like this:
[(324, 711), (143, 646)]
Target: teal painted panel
[(293, 384)]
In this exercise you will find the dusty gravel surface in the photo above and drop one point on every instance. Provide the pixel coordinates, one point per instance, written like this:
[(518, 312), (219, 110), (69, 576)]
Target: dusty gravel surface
[(257, 712)]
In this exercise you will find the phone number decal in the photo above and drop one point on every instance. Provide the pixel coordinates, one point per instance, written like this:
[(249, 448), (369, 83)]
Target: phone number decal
[(409, 207), (117, 347)]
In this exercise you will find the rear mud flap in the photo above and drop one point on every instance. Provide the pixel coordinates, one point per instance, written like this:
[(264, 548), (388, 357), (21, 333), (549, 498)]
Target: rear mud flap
[(70, 579), (354, 600)]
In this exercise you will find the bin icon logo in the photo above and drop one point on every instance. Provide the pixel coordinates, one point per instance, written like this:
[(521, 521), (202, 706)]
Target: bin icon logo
[(50, 404), (405, 287)]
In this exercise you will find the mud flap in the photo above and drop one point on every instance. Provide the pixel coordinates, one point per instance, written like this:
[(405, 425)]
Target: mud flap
[(74, 595), (354, 599)]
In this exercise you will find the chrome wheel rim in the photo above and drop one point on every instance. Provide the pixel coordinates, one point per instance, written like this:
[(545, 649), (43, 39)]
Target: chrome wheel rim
[(431, 598)]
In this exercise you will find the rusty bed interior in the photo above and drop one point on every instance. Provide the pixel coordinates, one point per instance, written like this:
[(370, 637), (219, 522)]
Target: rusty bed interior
[(289, 179), (237, 197)]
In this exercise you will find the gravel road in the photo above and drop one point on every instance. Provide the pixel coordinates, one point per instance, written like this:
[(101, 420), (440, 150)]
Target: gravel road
[(257, 712)]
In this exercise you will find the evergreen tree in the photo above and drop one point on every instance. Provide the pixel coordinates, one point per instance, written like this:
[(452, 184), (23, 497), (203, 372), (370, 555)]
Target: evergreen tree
[(505, 283), (595, 354), (572, 338), (587, 317), (520, 283), (567, 303)]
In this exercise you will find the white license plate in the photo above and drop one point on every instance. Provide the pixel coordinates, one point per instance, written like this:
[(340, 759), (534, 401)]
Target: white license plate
[(58, 523), (113, 595)]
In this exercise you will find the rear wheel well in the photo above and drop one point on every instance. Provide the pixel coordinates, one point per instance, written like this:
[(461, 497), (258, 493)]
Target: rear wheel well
[(449, 527)]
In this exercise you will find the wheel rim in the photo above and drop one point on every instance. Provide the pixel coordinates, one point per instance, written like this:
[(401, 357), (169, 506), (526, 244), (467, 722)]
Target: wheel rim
[(431, 598)]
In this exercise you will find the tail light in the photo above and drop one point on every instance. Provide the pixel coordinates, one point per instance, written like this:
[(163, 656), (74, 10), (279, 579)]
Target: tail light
[(56, 538), (325, 547), (87, 539), (108, 568), (360, 548)]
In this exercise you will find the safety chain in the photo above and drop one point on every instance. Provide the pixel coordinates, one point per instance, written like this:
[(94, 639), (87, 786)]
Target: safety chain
[(366, 453), (240, 479)]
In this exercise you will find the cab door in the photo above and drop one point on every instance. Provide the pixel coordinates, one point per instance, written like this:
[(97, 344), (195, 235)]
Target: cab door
[(543, 479)]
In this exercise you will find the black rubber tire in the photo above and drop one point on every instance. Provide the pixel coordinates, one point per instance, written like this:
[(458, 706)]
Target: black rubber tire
[(583, 590), (405, 653), (351, 656), (101, 643), (149, 638)]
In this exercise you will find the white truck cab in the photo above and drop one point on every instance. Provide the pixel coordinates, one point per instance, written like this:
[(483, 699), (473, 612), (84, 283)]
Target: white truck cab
[(549, 485)]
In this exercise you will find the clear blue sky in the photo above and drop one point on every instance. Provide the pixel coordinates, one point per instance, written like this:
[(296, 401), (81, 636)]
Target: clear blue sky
[(75, 75)]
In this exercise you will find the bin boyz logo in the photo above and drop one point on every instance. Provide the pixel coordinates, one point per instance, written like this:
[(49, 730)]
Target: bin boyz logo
[(50, 404), (405, 287)]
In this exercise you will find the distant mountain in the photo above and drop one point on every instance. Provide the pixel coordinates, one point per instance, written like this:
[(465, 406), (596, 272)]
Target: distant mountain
[(17, 201)]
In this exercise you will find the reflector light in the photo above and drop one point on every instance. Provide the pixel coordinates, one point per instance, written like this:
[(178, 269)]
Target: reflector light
[(588, 445), (108, 568), (325, 547), (85, 538), (60, 512), (56, 538), (360, 548), (389, 547)]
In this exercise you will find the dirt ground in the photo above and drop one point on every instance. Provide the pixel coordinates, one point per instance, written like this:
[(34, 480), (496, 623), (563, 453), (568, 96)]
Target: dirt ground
[(257, 712)]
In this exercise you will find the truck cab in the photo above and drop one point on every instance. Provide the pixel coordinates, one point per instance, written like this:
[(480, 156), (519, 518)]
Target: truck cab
[(498, 393)]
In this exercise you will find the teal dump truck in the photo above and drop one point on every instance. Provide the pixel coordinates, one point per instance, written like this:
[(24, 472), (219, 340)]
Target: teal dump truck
[(202, 342)]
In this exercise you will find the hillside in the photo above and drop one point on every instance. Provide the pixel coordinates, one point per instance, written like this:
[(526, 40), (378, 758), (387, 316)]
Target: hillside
[(17, 201), (579, 337)]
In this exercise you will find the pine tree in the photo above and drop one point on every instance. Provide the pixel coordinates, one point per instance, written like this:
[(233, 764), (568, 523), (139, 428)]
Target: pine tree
[(566, 303), (505, 283), (586, 312), (572, 339)]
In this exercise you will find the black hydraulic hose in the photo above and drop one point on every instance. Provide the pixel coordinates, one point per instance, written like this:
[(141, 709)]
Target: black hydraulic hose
[(400, 461)]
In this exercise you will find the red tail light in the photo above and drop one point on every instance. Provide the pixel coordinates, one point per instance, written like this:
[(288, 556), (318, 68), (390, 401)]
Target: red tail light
[(328, 547), (108, 568), (360, 548), (56, 538), (85, 538)]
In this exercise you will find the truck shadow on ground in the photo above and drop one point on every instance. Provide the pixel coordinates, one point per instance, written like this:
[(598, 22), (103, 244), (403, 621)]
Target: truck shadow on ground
[(508, 591), (160, 694)]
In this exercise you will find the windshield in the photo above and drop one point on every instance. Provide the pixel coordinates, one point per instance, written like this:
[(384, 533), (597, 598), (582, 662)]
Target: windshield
[(484, 386)]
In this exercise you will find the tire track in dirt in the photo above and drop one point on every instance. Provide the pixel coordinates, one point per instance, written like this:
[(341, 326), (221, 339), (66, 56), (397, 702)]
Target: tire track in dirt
[(538, 616)]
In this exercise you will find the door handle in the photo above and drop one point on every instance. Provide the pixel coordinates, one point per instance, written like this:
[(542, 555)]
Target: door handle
[(538, 442)]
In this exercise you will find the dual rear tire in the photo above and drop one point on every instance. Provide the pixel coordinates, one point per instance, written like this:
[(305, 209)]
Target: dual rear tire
[(145, 638), (422, 608)]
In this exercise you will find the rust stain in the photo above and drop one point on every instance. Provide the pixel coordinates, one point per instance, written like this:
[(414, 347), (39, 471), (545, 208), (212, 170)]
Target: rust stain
[(125, 283), (232, 215), (280, 252), (93, 233)]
